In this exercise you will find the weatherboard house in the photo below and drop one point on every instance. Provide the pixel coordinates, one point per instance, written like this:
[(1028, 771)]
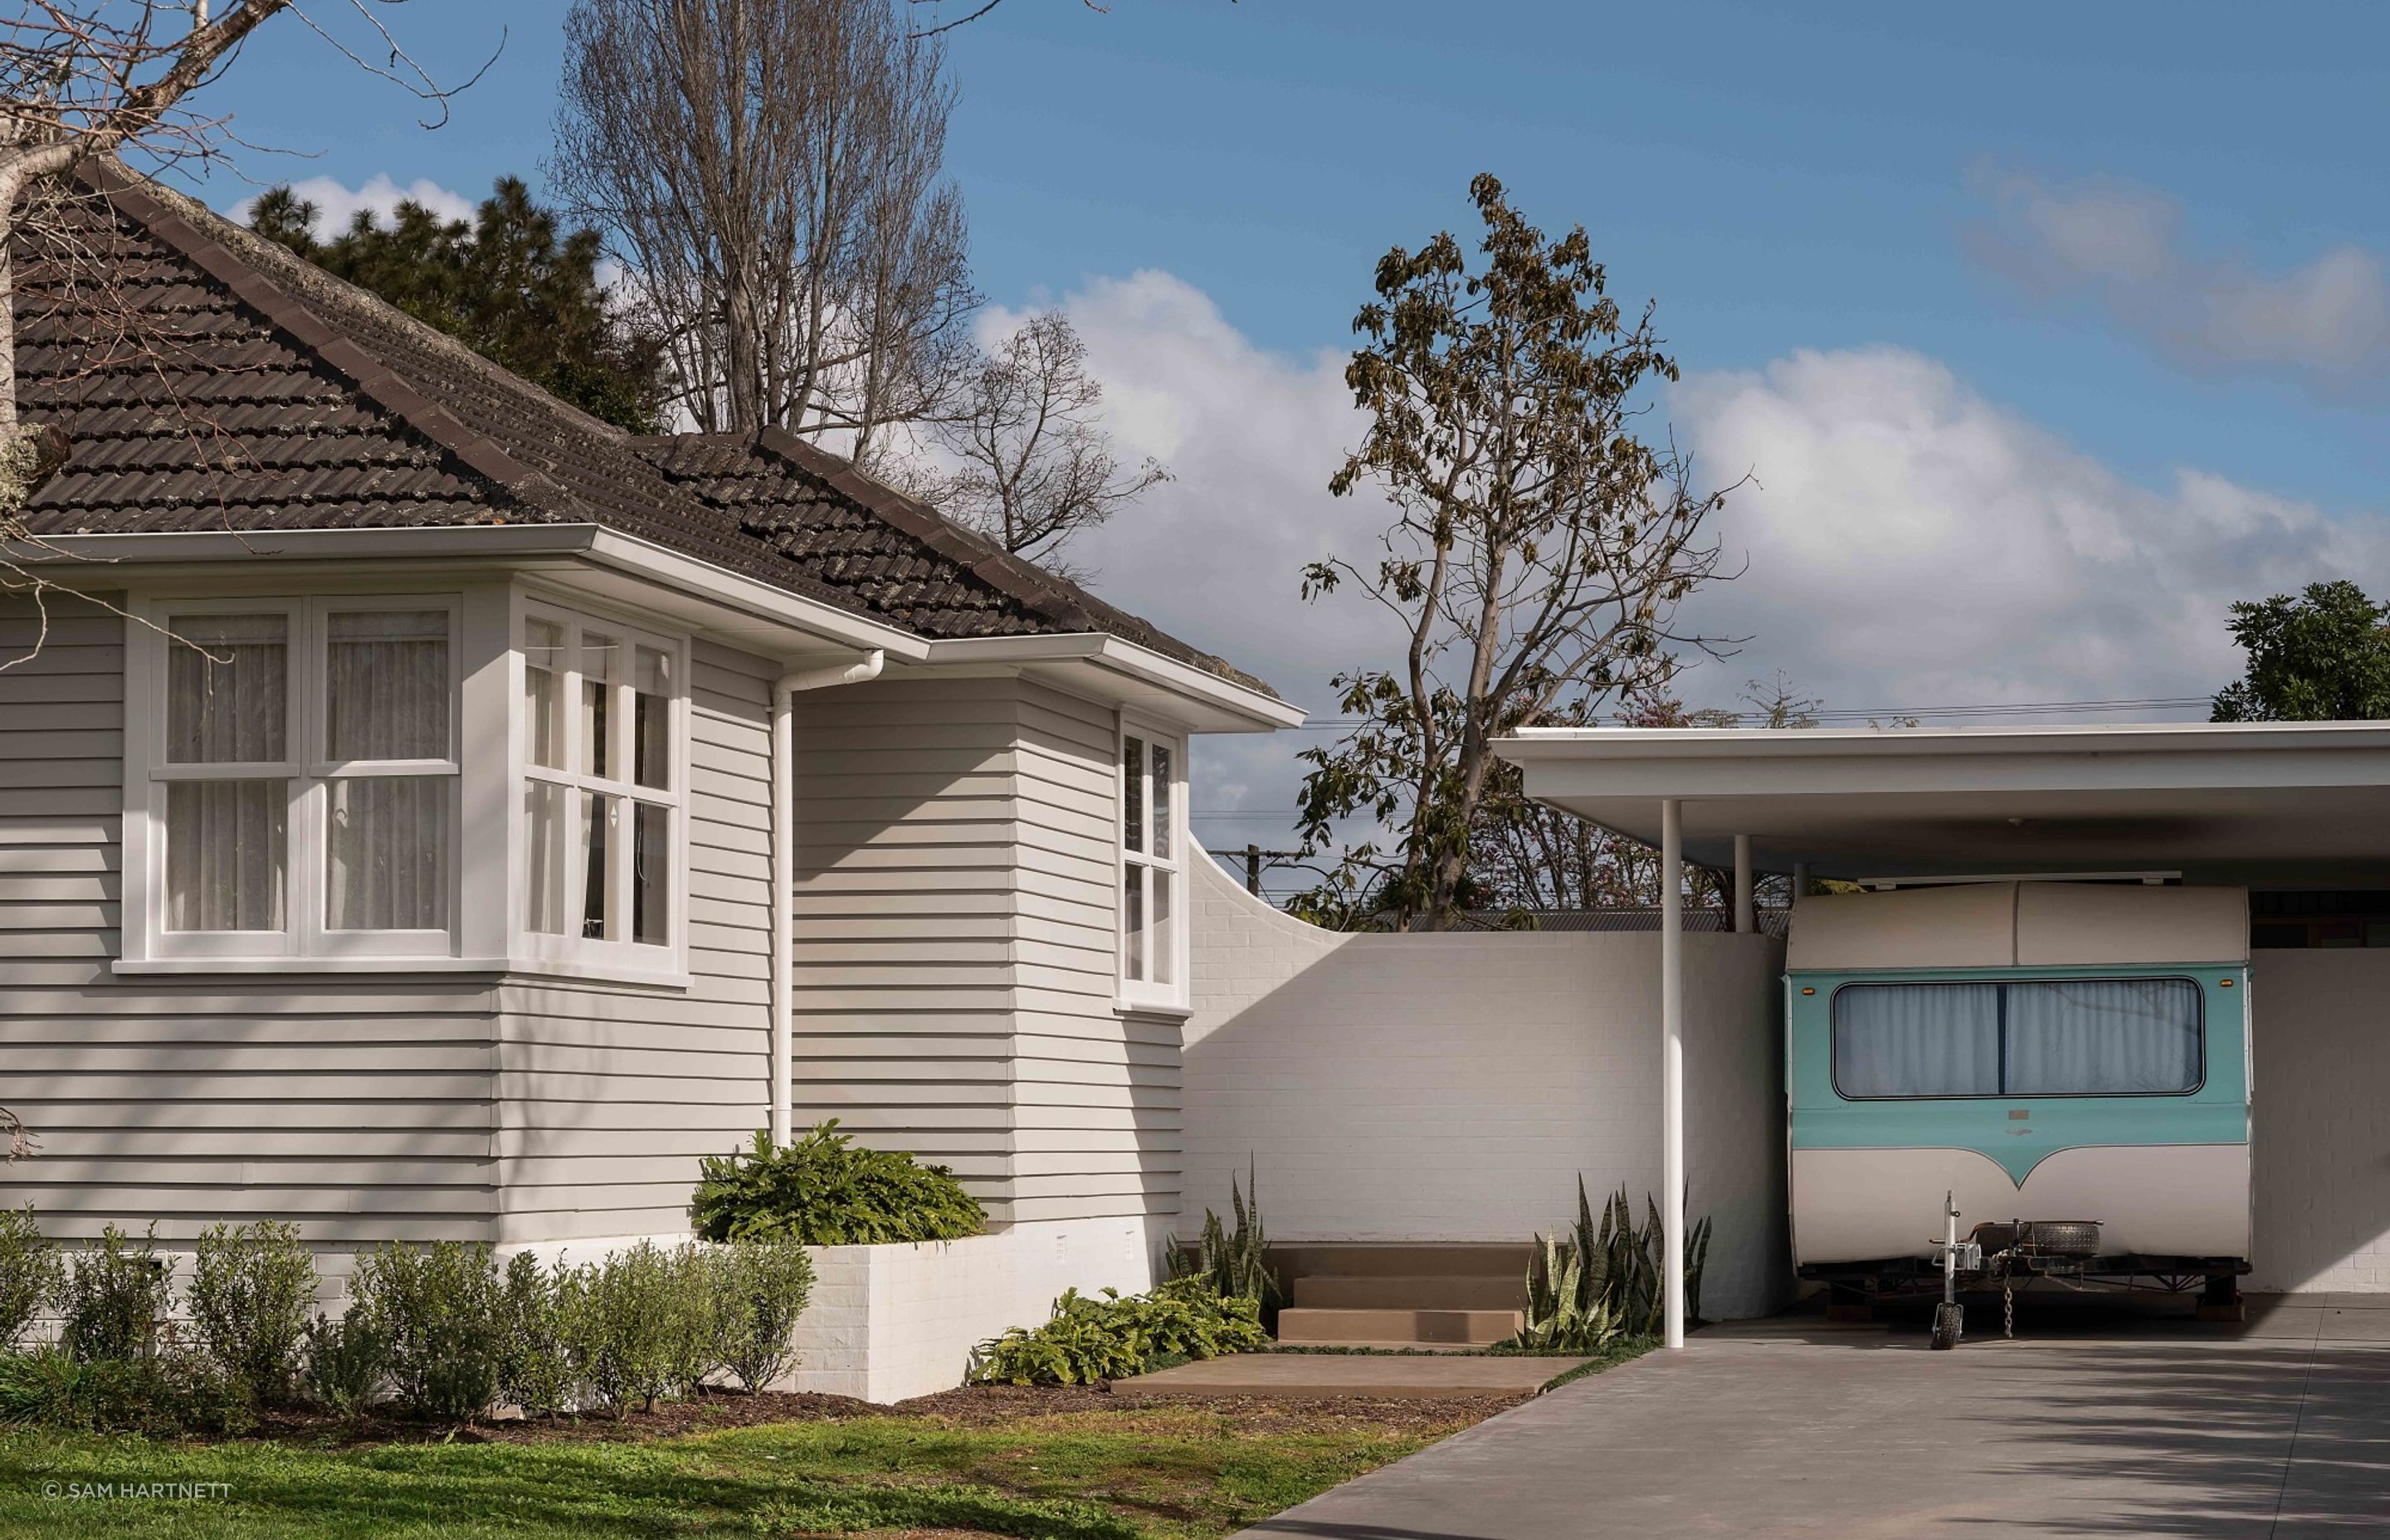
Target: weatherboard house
[(458, 815), (446, 815)]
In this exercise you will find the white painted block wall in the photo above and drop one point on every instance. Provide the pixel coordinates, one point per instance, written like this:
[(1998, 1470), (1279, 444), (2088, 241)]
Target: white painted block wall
[(2320, 1111), (1453, 1087)]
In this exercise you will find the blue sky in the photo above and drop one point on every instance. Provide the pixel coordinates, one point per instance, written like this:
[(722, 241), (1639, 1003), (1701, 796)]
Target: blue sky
[(2068, 317)]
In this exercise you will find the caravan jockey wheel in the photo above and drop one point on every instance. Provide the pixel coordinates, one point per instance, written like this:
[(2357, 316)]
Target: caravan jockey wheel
[(1949, 1325)]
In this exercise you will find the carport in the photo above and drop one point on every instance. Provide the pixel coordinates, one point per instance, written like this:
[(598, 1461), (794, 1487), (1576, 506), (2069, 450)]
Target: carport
[(2289, 808)]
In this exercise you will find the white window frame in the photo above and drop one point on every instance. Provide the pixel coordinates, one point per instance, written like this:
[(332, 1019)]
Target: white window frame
[(1143, 993), (569, 951), (305, 769)]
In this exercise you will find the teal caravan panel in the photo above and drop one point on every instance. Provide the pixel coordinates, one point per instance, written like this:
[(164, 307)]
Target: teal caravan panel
[(2017, 1132)]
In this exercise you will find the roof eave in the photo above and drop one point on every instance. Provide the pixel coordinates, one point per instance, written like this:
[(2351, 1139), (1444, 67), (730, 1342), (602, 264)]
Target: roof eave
[(1130, 675)]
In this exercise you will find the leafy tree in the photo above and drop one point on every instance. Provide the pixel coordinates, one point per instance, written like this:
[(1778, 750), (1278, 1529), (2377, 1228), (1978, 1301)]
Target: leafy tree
[(509, 284), (1537, 554), (1529, 856), (2322, 657)]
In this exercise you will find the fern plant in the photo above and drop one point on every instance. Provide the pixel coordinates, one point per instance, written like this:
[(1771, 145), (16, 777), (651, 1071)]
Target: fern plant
[(1093, 1338), (826, 1190), (1605, 1280)]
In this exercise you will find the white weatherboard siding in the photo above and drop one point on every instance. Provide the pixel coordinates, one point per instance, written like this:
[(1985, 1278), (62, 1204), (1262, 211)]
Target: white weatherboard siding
[(953, 921), (360, 1108), (2320, 1140), (1453, 1087), (609, 1094)]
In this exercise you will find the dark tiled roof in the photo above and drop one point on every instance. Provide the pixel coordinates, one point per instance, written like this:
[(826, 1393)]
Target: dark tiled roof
[(216, 381)]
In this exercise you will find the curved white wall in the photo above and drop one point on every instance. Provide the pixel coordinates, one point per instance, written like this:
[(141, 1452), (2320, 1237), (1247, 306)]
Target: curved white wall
[(1453, 1087)]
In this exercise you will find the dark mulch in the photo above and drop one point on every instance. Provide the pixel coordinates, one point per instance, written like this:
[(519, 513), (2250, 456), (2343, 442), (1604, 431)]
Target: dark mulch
[(971, 1406)]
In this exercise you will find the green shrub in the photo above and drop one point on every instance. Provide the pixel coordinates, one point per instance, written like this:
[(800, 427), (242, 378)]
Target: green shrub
[(114, 1293), (157, 1394), (760, 1290), (640, 1324), (31, 1273), (535, 1369), (1091, 1339), (251, 1288), (347, 1362), (1236, 1262), (1604, 1281), (826, 1191), (436, 1309)]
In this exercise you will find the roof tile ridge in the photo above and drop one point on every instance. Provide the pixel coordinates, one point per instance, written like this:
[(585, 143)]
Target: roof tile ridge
[(370, 377)]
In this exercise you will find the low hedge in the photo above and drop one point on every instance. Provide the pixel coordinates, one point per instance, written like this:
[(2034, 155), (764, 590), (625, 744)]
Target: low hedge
[(826, 1190), (437, 1331), (1090, 1339)]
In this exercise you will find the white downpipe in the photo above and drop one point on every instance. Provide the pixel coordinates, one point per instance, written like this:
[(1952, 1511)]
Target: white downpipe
[(1742, 916), (1800, 882), (1672, 1066), (782, 993)]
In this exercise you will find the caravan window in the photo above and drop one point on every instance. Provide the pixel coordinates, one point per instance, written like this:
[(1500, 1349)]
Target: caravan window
[(2057, 1037)]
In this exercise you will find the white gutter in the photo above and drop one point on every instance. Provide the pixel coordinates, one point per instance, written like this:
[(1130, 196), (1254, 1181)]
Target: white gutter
[(1121, 655), (782, 992), (444, 540)]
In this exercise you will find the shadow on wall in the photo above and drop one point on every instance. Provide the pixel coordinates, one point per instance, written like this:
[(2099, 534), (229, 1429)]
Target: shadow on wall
[(1455, 1087), (2319, 1037)]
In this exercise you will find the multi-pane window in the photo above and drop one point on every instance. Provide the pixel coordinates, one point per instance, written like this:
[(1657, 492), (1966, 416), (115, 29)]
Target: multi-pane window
[(601, 796), (1152, 867), (304, 784)]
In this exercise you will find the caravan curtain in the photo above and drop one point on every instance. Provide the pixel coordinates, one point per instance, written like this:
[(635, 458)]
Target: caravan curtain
[(1917, 1040), (2103, 1037)]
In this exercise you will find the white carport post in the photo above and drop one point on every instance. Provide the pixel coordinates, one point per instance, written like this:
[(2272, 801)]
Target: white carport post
[(1742, 917), (1672, 1066)]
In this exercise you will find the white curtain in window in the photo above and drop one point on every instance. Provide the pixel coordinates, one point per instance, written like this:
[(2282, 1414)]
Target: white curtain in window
[(386, 684), (228, 688), (386, 857), (1917, 1040), (2103, 1037), (225, 853)]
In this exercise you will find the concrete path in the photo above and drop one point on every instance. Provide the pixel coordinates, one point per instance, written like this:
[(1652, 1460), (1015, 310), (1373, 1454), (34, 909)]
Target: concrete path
[(1405, 1375), (2143, 1427)]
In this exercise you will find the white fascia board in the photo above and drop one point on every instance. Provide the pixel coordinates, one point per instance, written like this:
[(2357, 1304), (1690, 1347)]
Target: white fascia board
[(148, 555), (1207, 701), (147, 548), (703, 580), (1760, 762)]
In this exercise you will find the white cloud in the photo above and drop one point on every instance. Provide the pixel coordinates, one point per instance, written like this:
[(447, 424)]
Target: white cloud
[(337, 202), (2328, 320), (1910, 543)]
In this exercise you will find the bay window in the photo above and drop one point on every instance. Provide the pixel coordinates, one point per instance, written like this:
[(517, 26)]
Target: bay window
[(1152, 868), (470, 781)]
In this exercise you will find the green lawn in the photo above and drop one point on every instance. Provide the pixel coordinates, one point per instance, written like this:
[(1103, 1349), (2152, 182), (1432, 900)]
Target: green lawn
[(1159, 1472)]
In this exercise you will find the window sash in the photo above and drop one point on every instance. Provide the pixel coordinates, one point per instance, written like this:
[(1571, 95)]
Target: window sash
[(303, 899), (647, 741), (1149, 838)]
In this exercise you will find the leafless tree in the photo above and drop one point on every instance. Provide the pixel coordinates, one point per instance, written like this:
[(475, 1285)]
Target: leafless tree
[(770, 174), (1037, 466)]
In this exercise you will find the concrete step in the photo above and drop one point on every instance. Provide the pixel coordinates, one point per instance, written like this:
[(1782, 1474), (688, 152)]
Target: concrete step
[(1379, 1328), (1330, 1290), (1400, 1260)]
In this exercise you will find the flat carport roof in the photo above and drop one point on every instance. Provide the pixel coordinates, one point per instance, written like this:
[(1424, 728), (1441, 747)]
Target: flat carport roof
[(2268, 805)]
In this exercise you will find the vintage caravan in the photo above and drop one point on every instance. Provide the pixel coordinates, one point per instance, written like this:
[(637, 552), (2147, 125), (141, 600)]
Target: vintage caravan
[(2066, 1062)]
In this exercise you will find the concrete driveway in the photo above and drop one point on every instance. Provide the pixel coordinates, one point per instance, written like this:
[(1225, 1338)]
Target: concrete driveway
[(2114, 1427)]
